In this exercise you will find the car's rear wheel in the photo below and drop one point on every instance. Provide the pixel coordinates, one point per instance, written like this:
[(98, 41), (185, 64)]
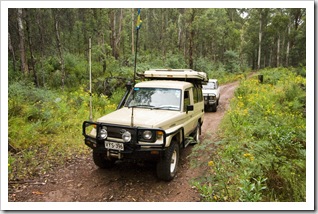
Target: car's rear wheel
[(168, 165), (101, 161)]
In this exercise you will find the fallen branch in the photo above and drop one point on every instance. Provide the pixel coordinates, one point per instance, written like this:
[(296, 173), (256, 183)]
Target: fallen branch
[(27, 182)]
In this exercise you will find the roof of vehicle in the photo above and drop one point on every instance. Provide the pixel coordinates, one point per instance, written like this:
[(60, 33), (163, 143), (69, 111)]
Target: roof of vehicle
[(164, 84), (213, 80), (177, 74)]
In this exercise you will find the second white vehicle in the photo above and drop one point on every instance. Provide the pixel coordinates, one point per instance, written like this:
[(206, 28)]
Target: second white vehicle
[(211, 94)]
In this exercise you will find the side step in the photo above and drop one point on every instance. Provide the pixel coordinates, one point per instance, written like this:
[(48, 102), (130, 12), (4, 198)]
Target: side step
[(187, 142)]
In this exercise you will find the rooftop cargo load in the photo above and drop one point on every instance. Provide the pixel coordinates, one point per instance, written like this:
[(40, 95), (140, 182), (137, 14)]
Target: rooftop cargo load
[(188, 75)]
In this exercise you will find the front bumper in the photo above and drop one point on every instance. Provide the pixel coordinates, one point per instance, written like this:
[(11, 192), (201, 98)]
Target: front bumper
[(133, 149)]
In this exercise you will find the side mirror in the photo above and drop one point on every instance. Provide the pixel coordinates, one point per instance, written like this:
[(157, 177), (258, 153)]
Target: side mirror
[(128, 85), (189, 108)]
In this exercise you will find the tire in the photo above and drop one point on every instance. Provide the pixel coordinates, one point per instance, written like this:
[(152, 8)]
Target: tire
[(168, 165), (101, 161), (213, 107)]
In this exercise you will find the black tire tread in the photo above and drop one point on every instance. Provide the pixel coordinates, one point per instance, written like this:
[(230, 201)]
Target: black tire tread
[(101, 161), (163, 166)]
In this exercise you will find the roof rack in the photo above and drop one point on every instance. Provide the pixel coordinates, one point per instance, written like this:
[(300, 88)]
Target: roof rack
[(188, 75)]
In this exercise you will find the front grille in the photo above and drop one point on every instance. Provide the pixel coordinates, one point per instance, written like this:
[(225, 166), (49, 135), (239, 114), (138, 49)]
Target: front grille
[(117, 132), (212, 97)]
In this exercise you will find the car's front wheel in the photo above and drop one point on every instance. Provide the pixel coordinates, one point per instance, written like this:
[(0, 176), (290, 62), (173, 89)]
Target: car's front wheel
[(101, 161), (213, 107), (168, 165)]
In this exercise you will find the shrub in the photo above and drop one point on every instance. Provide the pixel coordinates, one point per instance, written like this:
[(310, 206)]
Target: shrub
[(263, 149), (232, 62), (47, 125)]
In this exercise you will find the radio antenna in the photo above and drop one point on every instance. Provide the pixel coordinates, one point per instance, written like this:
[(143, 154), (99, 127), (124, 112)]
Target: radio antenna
[(90, 79), (138, 25)]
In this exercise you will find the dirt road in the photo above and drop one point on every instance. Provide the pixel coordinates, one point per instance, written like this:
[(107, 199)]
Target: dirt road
[(80, 180)]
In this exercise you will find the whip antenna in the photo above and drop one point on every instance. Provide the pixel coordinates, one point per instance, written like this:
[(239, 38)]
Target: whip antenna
[(138, 26), (90, 79)]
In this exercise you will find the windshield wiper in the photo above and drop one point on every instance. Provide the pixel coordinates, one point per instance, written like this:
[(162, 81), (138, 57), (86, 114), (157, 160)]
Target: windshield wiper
[(141, 105), (167, 107)]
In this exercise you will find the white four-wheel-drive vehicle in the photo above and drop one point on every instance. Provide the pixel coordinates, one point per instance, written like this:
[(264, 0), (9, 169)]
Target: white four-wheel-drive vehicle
[(211, 94), (155, 121)]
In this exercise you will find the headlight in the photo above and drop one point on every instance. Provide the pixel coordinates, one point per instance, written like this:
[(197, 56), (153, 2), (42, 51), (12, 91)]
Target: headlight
[(147, 135), (103, 133), (126, 136)]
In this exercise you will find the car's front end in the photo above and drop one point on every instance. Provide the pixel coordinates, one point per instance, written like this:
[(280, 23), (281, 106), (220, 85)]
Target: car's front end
[(211, 95), (209, 98), (118, 141), (141, 129)]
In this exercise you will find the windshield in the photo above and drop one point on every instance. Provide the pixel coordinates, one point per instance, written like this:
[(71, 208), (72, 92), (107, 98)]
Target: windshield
[(209, 86), (155, 98)]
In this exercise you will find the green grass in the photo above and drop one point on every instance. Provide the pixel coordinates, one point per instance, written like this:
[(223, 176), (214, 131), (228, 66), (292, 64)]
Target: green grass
[(262, 154), (45, 126)]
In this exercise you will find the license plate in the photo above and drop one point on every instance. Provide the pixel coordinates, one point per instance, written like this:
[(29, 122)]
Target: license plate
[(114, 146)]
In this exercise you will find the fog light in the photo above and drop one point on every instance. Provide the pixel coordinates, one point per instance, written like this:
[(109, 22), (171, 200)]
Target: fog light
[(154, 152)]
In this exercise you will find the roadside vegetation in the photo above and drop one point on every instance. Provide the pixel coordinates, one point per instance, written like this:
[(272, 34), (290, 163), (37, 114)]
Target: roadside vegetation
[(45, 123), (261, 154), (48, 90), (45, 126)]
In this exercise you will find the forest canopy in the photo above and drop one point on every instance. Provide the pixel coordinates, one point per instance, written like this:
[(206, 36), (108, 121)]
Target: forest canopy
[(50, 45)]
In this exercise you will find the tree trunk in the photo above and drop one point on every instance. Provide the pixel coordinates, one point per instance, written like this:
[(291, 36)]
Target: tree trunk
[(191, 39), (112, 18), (163, 34), (270, 57), (118, 37), (39, 23), (104, 56), (259, 41), (12, 51), (24, 67), (288, 43), (179, 32), (59, 45), (32, 59), (278, 51), (191, 49)]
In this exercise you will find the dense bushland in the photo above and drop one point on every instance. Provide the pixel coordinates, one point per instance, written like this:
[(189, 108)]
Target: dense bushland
[(262, 152), (48, 87), (45, 126), (45, 122)]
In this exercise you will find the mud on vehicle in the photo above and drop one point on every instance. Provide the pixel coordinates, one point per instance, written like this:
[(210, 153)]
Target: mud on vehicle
[(155, 120)]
